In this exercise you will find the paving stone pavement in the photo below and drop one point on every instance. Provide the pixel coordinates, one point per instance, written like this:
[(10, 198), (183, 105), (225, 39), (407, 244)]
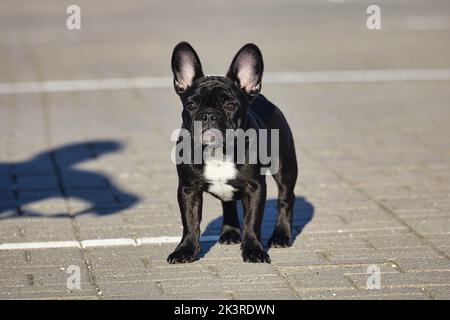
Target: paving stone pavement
[(374, 186)]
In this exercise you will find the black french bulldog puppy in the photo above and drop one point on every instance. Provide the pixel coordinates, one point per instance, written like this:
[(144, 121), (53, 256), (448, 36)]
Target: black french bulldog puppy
[(231, 102)]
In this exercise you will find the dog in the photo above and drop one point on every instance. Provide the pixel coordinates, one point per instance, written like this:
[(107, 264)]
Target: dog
[(224, 103)]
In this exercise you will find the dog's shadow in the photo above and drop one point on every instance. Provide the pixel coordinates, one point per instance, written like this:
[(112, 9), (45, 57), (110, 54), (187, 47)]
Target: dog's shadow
[(54, 174), (303, 214)]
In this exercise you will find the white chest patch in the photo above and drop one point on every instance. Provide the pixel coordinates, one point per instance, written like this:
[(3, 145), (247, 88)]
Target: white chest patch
[(218, 173)]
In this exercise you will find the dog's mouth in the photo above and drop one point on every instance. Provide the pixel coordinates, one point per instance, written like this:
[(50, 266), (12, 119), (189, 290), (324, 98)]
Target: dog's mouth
[(212, 137)]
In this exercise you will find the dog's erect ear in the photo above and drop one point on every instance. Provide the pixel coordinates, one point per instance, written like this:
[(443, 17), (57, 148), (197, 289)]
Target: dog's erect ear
[(247, 69), (186, 67)]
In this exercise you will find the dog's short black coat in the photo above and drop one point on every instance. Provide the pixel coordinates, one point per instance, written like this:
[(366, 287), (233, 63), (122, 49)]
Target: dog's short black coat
[(231, 102)]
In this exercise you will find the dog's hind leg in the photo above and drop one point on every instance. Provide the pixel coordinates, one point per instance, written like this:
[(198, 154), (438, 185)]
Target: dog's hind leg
[(285, 179), (231, 231)]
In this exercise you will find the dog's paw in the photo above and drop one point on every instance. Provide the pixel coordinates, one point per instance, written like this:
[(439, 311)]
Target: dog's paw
[(230, 236), (280, 239), (255, 255), (183, 255)]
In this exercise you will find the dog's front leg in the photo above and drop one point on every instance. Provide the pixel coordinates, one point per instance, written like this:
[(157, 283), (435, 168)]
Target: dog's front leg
[(190, 201), (253, 200)]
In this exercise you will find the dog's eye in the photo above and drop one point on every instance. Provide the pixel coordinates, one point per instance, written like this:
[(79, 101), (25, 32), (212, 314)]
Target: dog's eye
[(231, 107), (191, 106)]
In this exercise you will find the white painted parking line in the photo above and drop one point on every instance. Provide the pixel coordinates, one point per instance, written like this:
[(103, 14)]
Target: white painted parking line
[(96, 243), (85, 85), (359, 76), (329, 76), (39, 245), (423, 23), (108, 242), (133, 242)]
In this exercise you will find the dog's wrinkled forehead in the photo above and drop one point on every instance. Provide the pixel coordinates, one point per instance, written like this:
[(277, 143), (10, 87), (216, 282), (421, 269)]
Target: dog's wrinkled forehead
[(215, 90)]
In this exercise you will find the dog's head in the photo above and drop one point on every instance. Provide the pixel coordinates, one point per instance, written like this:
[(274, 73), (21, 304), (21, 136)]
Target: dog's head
[(219, 103)]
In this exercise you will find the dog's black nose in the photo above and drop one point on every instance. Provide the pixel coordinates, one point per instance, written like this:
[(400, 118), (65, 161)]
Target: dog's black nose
[(209, 118)]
